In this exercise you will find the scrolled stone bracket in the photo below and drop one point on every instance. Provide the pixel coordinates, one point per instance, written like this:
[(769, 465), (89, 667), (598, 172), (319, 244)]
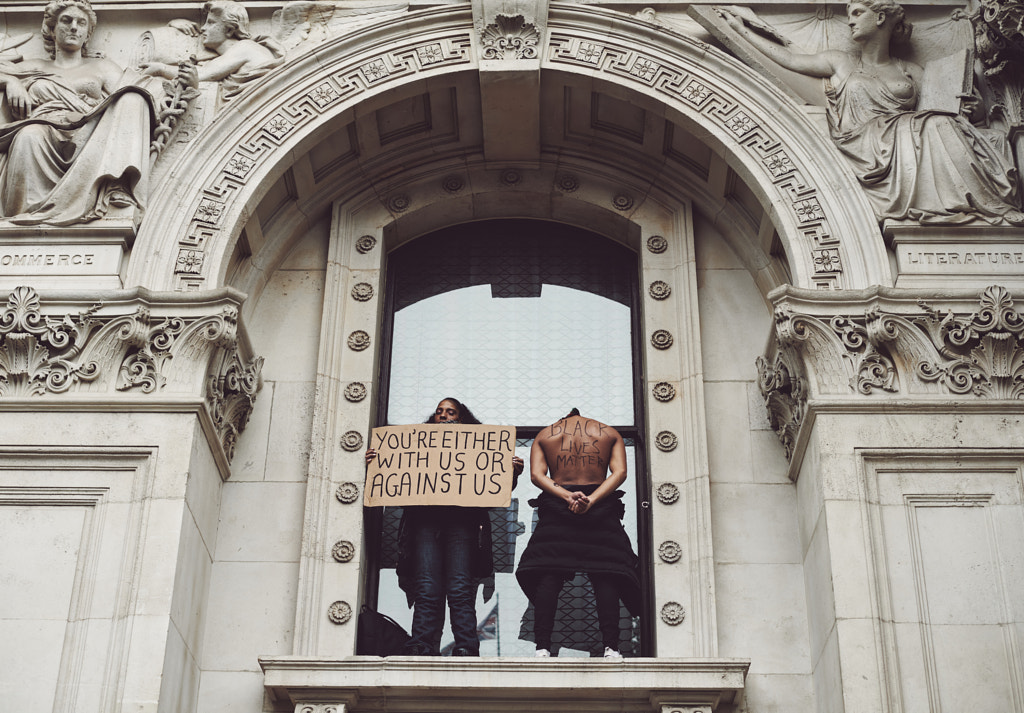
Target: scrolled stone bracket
[(231, 395)]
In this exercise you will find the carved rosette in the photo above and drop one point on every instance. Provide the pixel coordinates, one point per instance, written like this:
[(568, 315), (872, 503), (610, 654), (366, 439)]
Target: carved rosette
[(567, 183), (623, 201), (339, 612), (365, 244), (453, 184), (343, 551), (362, 292), (670, 551), (352, 441), (657, 244), (509, 37), (399, 203), (358, 340), (664, 391), (666, 441), (673, 613), (659, 290), (511, 177), (355, 392), (347, 493), (661, 339), (667, 493)]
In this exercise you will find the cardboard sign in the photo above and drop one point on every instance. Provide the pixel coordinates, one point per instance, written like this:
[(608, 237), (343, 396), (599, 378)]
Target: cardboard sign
[(441, 464)]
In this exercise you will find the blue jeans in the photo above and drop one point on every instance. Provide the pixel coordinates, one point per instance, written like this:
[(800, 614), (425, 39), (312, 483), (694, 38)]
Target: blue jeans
[(443, 541)]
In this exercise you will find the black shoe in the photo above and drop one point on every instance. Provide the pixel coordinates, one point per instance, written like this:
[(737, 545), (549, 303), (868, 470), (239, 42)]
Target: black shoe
[(418, 650), (463, 651)]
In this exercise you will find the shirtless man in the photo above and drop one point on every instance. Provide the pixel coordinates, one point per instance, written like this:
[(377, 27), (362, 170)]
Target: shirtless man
[(579, 526), (579, 451)]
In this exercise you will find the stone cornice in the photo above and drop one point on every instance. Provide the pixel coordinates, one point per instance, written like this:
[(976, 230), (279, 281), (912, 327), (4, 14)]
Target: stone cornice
[(412, 683), (889, 348)]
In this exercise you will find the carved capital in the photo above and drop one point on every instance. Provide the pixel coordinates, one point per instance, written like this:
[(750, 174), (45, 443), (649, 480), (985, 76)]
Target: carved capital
[(132, 343), (970, 347)]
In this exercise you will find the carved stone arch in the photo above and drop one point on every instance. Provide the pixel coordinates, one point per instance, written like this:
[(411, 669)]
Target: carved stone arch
[(823, 221)]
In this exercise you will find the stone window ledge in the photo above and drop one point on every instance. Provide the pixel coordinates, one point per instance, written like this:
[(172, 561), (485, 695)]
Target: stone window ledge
[(416, 684)]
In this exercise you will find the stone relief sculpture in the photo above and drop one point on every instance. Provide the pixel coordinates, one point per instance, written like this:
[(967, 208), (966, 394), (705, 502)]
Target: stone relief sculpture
[(232, 55), (78, 147), (238, 56), (921, 165)]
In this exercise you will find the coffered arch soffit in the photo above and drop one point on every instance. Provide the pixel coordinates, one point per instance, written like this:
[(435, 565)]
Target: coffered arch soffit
[(751, 136)]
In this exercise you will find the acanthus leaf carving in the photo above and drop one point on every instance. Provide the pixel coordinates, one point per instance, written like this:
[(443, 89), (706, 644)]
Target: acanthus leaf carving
[(231, 394), (980, 353), (37, 352), (509, 37), (785, 395)]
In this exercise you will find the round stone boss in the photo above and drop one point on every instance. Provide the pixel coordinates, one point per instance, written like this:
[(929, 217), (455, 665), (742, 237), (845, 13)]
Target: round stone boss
[(366, 243), (667, 493), (343, 551), (666, 441), (352, 441), (672, 613), (347, 493), (339, 612)]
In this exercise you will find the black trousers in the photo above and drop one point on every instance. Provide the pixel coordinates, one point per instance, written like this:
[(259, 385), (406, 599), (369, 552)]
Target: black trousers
[(606, 591)]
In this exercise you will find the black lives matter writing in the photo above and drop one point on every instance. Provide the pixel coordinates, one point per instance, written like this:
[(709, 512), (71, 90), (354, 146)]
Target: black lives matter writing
[(426, 464), (579, 441)]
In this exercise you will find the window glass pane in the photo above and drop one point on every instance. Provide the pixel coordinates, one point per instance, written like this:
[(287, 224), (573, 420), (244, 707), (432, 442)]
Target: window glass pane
[(525, 361), (520, 320)]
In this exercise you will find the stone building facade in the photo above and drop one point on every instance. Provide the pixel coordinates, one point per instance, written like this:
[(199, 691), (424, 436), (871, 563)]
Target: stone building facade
[(823, 397)]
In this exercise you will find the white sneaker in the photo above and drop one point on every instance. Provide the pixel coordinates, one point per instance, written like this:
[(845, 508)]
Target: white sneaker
[(542, 654), (610, 653)]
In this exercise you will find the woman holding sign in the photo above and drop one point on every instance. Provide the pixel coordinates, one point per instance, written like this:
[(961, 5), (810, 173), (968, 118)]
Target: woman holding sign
[(443, 551)]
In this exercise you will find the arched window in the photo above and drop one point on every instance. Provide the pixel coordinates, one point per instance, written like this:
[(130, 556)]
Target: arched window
[(521, 320)]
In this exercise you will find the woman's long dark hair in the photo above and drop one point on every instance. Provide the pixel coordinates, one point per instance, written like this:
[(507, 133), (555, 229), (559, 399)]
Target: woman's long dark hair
[(465, 415)]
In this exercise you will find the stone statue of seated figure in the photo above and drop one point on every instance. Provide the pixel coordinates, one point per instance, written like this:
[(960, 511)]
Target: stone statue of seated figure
[(921, 165), (240, 57), (78, 147)]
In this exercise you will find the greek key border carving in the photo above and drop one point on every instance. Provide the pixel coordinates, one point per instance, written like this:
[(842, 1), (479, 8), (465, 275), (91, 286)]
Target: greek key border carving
[(663, 76), (356, 77)]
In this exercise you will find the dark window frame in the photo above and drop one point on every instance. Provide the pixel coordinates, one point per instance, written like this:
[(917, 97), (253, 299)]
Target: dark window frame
[(373, 517)]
